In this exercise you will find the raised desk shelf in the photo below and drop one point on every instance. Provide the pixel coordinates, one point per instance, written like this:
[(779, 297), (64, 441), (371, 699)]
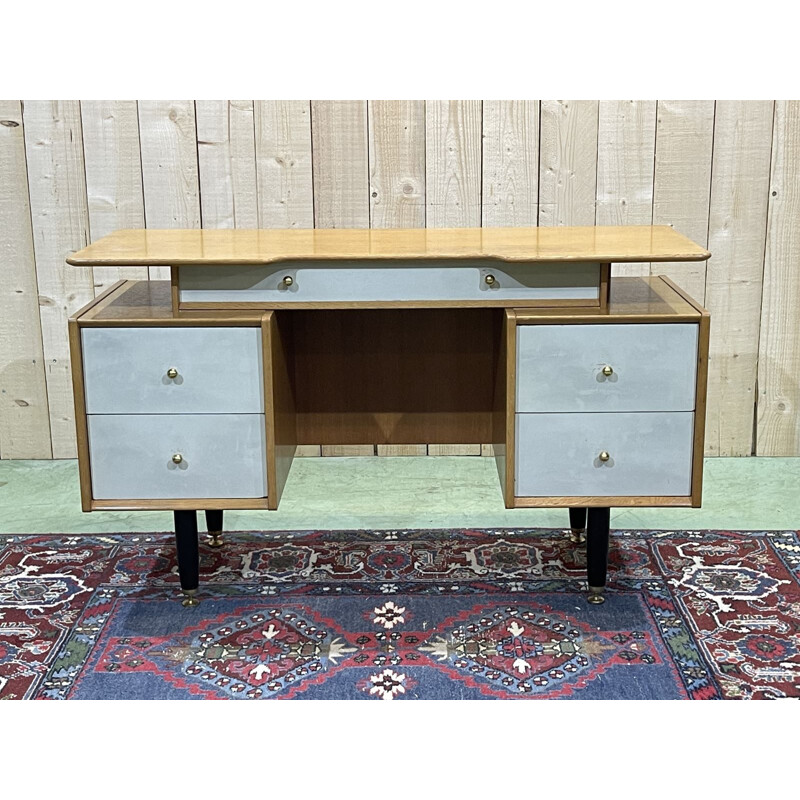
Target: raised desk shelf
[(187, 247), (455, 268)]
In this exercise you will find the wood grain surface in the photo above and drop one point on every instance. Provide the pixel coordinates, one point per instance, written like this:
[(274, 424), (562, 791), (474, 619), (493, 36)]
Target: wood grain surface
[(238, 247), (778, 429), (24, 417)]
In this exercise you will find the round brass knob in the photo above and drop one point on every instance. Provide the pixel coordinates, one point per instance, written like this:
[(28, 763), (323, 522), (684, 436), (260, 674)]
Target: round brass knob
[(604, 456), (177, 458), (288, 280), (172, 372), (490, 280), (607, 370)]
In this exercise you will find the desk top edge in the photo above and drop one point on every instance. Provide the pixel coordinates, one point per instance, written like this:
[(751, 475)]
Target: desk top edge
[(605, 244)]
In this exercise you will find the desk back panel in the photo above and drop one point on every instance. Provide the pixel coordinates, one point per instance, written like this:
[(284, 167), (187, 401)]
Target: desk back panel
[(395, 376)]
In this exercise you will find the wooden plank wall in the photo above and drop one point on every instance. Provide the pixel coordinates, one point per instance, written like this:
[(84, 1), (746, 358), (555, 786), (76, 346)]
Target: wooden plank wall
[(24, 412), (778, 429), (60, 222), (725, 173)]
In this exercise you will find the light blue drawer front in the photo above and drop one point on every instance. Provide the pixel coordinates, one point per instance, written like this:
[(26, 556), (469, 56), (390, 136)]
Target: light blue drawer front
[(126, 370), (221, 456), (558, 455), (560, 367), (390, 281)]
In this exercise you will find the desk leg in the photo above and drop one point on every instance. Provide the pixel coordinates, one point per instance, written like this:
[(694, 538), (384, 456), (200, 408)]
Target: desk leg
[(214, 525), (597, 536), (188, 554), (577, 524)]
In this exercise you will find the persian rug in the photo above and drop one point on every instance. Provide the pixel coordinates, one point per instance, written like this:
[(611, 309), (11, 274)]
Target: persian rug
[(399, 615)]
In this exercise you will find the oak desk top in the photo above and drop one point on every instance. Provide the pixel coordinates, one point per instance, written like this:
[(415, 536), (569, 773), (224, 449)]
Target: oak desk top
[(603, 244)]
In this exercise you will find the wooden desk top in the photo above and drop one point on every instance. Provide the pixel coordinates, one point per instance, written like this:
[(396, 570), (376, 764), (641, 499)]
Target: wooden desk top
[(183, 247)]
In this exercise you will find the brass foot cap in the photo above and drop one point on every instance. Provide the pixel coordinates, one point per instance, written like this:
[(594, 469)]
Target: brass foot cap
[(189, 599), (596, 595), (578, 535), (215, 539)]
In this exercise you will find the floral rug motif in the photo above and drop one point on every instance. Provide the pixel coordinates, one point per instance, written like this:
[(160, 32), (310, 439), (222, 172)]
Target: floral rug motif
[(399, 615)]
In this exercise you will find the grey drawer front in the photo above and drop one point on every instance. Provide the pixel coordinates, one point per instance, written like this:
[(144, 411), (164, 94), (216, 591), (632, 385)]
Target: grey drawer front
[(223, 455), (650, 454), (560, 367), (381, 281), (220, 370)]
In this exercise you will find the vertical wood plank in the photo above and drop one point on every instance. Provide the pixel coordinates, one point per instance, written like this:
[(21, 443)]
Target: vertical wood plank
[(682, 182), (737, 226), (60, 217), (24, 420), (453, 172), (397, 163), (778, 431), (453, 163), (568, 170), (169, 167), (226, 155), (626, 143), (283, 163), (113, 178), (510, 194), (340, 158)]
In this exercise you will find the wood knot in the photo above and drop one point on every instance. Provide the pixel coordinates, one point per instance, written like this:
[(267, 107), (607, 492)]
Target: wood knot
[(9, 123), (22, 403)]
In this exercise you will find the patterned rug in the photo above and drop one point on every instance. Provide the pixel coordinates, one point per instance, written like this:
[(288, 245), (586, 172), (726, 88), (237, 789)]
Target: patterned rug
[(430, 614)]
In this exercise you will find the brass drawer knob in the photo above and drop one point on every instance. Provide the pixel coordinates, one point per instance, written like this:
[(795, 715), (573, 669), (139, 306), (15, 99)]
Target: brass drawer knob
[(490, 280), (607, 370), (177, 458), (604, 456), (172, 372), (288, 280)]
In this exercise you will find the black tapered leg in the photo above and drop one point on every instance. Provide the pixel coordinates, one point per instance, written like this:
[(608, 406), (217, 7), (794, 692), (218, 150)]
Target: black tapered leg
[(214, 526), (597, 535), (577, 524), (188, 554)]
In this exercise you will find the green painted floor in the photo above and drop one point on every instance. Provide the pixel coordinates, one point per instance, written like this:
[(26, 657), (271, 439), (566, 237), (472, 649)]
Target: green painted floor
[(427, 492)]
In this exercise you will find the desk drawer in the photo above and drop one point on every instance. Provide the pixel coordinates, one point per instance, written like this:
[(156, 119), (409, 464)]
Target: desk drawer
[(558, 455), (221, 456), (300, 282), (560, 367), (218, 370)]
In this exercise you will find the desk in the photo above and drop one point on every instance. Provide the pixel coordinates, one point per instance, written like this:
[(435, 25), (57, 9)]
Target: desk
[(193, 394)]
